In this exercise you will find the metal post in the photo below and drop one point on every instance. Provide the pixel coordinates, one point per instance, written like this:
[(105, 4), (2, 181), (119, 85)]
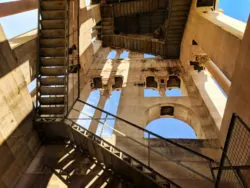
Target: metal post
[(149, 149), (78, 52), (103, 125)]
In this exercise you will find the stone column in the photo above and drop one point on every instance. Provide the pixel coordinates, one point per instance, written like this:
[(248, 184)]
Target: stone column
[(118, 53), (204, 60), (222, 80), (97, 115)]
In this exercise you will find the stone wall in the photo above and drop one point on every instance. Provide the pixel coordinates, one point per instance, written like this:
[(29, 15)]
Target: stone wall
[(141, 110), (218, 35), (218, 38), (89, 16), (19, 141), (239, 96)]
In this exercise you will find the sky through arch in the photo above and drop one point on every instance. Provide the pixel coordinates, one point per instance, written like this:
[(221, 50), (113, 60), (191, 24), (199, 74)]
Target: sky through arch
[(170, 128)]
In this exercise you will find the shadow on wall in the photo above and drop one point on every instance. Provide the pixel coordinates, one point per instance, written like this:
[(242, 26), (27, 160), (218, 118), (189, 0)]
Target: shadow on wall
[(23, 57), (19, 141), (17, 151), (88, 18)]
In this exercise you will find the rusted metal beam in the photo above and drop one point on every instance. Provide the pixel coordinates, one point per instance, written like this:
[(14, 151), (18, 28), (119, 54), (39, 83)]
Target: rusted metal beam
[(15, 7)]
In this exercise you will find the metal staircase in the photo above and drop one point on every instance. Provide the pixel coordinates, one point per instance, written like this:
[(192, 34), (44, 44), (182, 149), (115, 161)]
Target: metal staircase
[(153, 151), (146, 162), (178, 15), (150, 45), (117, 160), (52, 66), (134, 7)]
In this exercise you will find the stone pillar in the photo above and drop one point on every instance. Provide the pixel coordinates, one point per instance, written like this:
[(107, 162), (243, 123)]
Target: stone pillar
[(222, 80), (97, 115), (118, 53), (204, 60)]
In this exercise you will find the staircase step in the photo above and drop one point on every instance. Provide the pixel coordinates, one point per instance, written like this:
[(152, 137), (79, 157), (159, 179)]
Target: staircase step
[(53, 14), (91, 147), (52, 71), (107, 23), (52, 61), (52, 52), (167, 185), (53, 24), (181, 8), (52, 42), (53, 5), (46, 90), (80, 140), (51, 110), (99, 153), (138, 166), (51, 100), (127, 159), (52, 81), (150, 174), (52, 33)]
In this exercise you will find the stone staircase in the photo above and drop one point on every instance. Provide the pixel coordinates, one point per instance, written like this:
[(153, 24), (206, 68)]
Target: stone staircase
[(53, 46)]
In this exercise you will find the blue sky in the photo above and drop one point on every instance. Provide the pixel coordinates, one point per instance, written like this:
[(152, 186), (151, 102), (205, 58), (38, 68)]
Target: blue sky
[(171, 128), (175, 92), (17, 24), (238, 9)]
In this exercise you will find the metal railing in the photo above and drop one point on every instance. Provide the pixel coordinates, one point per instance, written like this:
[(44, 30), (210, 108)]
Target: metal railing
[(66, 56), (77, 129), (38, 56), (131, 137), (73, 88), (234, 167)]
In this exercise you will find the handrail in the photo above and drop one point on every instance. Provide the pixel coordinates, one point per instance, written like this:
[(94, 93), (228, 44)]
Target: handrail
[(66, 56), (151, 133), (38, 57), (124, 153), (78, 45), (104, 124)]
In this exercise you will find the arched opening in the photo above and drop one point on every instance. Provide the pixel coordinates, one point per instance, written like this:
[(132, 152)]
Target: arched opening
[(150, 82), (170, 128)]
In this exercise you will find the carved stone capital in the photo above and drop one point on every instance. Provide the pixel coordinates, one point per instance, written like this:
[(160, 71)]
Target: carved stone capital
[(202, 59)]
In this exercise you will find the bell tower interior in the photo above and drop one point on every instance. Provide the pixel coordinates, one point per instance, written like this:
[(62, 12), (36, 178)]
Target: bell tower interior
[(124, 93)]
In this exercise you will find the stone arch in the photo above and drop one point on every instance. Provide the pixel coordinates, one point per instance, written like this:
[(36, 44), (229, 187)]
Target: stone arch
[(181, 112), (174, 81)]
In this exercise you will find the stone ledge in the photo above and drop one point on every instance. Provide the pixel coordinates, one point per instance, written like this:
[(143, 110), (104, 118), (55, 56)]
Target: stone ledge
[(22, 39)]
